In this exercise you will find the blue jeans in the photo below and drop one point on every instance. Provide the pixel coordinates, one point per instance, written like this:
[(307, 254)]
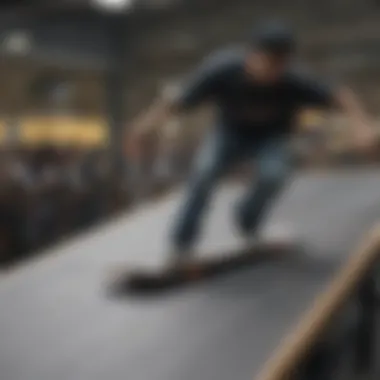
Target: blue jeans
[(272, 164)]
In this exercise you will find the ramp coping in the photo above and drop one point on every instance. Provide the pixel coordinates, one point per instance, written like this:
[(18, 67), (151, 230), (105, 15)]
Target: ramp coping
[(300, 339)]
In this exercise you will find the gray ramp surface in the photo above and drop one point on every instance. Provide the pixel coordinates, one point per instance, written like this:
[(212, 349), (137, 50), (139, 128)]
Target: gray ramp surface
[(57, 324)]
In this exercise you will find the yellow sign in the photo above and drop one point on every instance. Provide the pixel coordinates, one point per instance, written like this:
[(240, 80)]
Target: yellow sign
[(33, 131), (3, 132), (63, 131), (92, 133)]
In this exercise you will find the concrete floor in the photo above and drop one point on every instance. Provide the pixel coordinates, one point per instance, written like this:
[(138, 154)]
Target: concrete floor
[(56, 322)]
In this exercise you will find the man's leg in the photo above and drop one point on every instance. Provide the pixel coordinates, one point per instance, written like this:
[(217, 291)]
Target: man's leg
[(217, 153), (273, 166)]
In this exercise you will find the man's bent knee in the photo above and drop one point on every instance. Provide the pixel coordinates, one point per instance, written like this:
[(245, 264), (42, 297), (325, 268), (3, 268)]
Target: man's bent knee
[(260, 196)]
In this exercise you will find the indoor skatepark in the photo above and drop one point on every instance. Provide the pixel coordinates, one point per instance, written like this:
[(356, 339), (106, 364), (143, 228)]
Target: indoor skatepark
[(69, 71)]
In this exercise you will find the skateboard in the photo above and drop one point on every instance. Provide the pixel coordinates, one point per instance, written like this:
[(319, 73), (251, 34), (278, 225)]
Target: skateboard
[(144, 280)]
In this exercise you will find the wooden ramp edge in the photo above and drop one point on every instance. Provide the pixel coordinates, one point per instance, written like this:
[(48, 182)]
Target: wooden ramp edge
[(281, 365)]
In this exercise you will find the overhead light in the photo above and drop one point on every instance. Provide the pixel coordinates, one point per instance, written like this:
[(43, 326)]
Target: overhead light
[(17, 42), (113, 5)]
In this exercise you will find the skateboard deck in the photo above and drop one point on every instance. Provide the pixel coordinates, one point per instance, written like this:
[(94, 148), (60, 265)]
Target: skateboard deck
[(145, 280)]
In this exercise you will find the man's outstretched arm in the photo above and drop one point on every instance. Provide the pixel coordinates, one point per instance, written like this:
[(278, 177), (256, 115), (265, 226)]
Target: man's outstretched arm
[(315, 93), (341, 99), (149, 122), (153, 118)]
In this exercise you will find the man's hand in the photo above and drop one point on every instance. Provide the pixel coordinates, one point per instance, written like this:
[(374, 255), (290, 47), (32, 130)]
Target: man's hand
[(135, 143), (145, 127), (365, 139)]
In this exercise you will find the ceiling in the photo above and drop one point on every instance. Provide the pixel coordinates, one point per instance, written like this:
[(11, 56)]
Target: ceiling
[(111, 5)]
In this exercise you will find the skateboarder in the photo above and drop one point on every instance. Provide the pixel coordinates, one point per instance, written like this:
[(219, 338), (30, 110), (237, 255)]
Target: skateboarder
[(257, 91)]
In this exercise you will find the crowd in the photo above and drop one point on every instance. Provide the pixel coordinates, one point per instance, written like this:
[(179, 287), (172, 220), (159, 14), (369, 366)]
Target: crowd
[(47, 194)]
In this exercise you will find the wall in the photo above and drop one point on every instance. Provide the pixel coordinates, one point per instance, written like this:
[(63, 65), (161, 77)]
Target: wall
[(339, 37)]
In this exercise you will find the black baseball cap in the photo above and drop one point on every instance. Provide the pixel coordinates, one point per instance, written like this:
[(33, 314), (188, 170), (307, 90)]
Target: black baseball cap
[(275, 38)]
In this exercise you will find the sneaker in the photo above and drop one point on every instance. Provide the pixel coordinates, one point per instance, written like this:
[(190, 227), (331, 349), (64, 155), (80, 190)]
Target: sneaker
[(249, 240), (184, 261), (178, 258)]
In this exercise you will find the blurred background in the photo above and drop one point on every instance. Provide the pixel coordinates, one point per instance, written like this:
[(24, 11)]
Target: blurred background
[(73, 73)]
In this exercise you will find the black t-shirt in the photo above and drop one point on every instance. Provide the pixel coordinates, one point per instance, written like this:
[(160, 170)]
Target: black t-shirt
[(247, 107)]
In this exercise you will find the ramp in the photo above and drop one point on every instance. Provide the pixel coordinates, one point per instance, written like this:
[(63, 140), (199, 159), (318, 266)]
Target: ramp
[(57, 324)]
